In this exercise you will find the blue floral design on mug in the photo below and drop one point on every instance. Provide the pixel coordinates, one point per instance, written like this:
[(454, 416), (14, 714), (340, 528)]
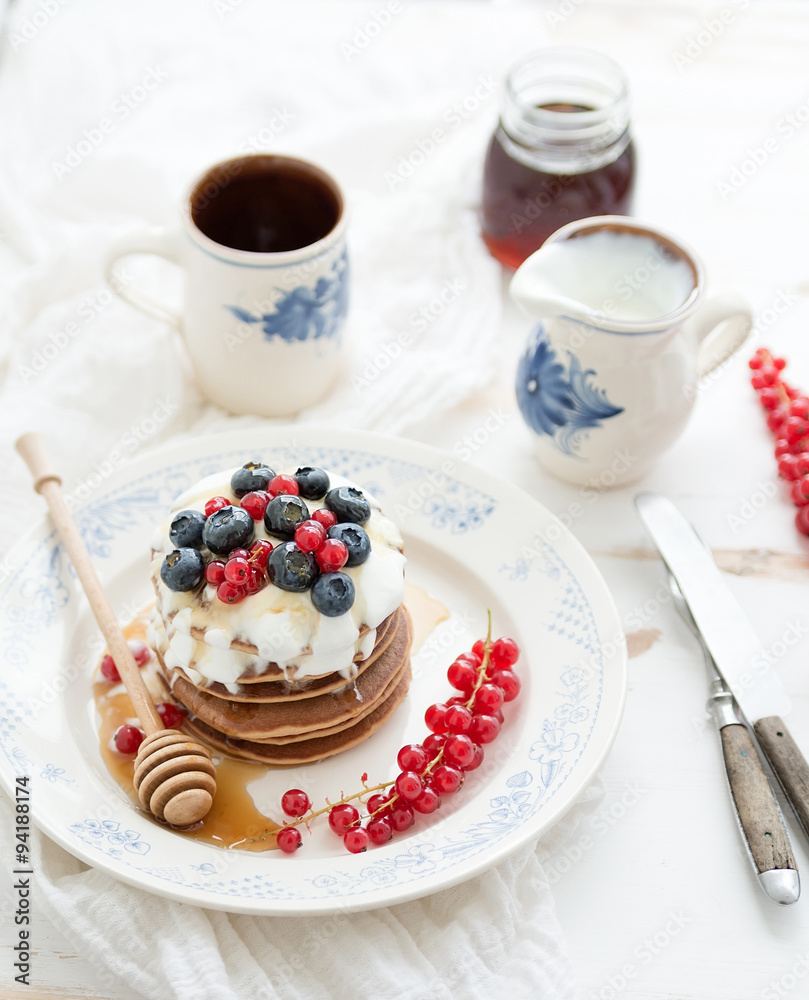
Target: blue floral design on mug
[(304, 312), (557, 400)]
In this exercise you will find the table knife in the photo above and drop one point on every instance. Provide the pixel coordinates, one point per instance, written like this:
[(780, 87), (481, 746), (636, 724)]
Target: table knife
[(755, 805), (740, 659)]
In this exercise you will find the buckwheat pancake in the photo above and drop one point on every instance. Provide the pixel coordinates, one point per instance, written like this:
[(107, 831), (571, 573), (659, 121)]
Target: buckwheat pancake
[(309, 750), (294, 720), (278, 690)]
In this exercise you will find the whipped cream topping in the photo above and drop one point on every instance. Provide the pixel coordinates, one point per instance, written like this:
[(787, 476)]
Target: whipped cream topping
[(284, 627)]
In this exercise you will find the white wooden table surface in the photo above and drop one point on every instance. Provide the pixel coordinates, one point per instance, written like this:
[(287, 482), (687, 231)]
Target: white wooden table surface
[(656, 895)]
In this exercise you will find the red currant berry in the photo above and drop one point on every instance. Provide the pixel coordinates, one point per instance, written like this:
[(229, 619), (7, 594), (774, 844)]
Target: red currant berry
[(140, 651), (477, 760), (237, 571), (215, 572), (379, 830), (341, 817), (488, 699), (800, 491), (260, 552), (283, 484), (434, 717), (128, 739), (458, 699), (779, 363), (484, 729), (257, 581), (769, 374), (309, 536), (802, 520), (427, 802), (479, 648), (295, 802), (505, 653), (412, 757), (408, 785), (401, 816), (325, 517), (770, 397), (795, 428), (459, 750), (215, 504), (462, 676), (458, 719), (782, 447), (332, 555), (787, 467), (775, 420), (377, 804), (172, 715), (802, 464), (255, 503), (356, 839), (434, 744), (446, 779), (758, 381), (508, 682), (755, 362), (238, 554), (229, 593), (289, 839), (799, 407), (109, 671)]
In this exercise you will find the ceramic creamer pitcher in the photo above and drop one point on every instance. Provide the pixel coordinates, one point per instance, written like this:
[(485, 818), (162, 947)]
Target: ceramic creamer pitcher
[(611, 372)]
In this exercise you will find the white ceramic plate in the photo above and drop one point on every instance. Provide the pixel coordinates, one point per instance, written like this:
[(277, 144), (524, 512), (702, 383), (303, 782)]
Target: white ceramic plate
[(472, 541)]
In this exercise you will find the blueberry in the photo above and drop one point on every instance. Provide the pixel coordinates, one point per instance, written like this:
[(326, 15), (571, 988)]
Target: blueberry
[(348, 504), (253, 476), (283, 515), (183, 569), (312, 483), (290, 568), (333, 594), (186, 529), (355, 539), (226, 529)]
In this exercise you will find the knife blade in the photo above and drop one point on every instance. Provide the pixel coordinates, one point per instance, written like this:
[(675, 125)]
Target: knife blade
[(737, 652), (754, 803)]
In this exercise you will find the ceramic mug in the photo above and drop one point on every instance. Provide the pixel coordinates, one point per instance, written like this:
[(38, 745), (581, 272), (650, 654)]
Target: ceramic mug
[(611, 373), (263, 250)]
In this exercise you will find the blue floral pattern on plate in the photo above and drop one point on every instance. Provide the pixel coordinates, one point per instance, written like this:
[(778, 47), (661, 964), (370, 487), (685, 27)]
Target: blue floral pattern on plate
[(305, 312), (556, 400)]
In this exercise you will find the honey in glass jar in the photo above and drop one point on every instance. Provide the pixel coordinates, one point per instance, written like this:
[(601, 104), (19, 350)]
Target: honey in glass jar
[(562, 151)]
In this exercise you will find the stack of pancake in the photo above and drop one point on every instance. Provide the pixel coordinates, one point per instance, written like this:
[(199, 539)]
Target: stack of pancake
[(269, 718)]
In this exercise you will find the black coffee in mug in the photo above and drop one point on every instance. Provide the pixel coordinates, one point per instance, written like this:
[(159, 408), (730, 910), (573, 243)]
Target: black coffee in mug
[(266, 204)]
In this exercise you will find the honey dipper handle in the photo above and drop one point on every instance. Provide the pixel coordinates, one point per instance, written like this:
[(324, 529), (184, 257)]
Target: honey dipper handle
[(33, 450)]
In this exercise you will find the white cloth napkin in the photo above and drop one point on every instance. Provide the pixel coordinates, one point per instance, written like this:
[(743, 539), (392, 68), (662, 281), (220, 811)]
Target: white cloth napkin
[(362, 88)]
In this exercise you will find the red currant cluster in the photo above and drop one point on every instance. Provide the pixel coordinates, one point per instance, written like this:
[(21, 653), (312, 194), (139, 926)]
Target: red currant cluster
[(458, 728), (245, 571), (127, 739), (788, 419)]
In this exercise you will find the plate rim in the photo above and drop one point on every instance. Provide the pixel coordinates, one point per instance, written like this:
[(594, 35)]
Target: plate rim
[(391, 446)]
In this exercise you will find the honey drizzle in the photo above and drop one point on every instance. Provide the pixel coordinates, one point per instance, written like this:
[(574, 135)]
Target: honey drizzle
[(233, 819)]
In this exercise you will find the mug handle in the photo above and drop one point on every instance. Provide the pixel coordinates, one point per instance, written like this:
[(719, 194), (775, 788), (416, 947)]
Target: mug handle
[(160, 242), (722, 326)]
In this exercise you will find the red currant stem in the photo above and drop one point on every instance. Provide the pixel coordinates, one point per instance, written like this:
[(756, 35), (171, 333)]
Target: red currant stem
[(327, 808), (484, 663), (783, 395)]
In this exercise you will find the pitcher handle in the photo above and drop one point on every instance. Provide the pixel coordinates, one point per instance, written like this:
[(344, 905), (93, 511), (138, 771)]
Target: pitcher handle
[(723, 324), (160, 242)]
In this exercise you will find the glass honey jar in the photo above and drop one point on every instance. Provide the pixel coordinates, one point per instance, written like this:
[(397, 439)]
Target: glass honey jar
[(562, 151)]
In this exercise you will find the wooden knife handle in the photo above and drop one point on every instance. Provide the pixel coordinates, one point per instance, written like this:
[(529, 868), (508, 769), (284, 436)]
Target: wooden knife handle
[(788, 762), (756, 807)]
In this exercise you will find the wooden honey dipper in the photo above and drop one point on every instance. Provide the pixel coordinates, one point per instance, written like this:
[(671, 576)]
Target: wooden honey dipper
[(174, 776)]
